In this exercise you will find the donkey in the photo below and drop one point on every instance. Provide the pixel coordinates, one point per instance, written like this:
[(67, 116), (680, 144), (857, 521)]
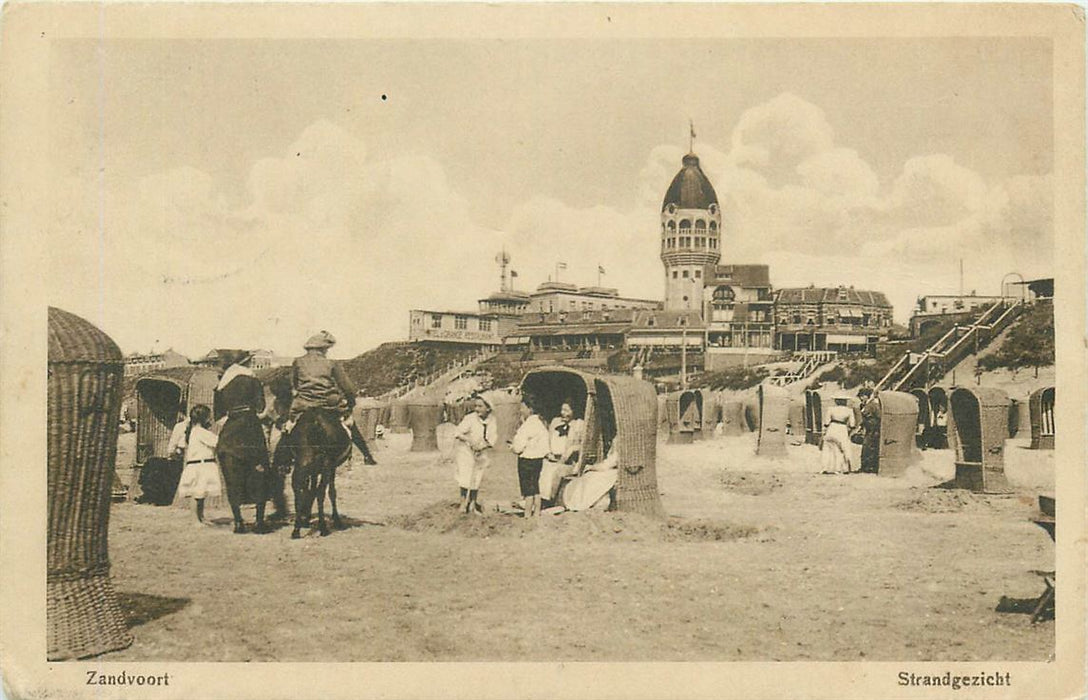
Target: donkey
[(319, 445)]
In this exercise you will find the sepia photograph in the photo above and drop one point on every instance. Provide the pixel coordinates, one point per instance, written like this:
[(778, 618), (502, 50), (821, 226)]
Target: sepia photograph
[(546, 335)]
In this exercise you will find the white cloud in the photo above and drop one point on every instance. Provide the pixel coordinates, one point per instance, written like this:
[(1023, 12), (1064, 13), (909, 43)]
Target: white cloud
[(330, 237)]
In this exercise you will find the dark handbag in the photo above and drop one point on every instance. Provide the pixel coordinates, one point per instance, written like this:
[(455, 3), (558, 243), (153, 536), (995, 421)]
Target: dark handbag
[(857, 438)]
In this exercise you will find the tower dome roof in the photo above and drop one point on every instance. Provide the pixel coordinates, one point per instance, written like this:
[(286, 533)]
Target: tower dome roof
[(690, 189)]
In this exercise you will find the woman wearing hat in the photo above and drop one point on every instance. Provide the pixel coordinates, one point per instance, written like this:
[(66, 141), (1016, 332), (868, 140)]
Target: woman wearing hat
[(836, 449), (475, 436), (241, 448), (318, 382)]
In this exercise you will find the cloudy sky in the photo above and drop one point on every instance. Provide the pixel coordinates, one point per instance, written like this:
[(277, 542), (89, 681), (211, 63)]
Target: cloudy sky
[(250, 193)]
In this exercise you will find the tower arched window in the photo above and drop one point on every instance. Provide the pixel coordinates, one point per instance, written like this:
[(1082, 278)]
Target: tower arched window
[(724, 294), (713, 226), (685, 226), (700, 226), (672, 226)]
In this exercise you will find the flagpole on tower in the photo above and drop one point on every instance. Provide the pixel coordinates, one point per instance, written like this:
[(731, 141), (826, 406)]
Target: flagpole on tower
[(503, 259), (691, 137)]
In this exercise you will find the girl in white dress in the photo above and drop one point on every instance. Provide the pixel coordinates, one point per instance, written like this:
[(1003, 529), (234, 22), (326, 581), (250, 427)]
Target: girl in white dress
[(473, 440), (200, 477), (565, 441)]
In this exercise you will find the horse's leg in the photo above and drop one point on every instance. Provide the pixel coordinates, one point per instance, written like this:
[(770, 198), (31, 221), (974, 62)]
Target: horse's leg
[(336, 521), (322, 484), (299, 483)]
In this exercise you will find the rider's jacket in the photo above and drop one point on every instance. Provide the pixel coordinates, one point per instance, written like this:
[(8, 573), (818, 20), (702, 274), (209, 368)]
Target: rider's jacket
[(320, 383)]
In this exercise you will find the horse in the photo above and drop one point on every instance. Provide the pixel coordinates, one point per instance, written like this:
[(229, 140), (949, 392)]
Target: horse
[(319, 445)]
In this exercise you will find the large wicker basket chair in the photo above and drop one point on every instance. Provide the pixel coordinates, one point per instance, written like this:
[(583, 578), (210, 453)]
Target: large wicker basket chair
[(398, 416), (712, 412), (160, 397), (83, 617), (980, 421), (683, 412), (367, 414), (620, 414), (773, 413), (733, 420), (898, 425), (424, 415), (1041, 405)]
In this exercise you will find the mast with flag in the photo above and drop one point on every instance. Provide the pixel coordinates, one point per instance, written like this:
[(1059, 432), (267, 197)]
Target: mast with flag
[(691, 138), (600, 271), (503, 259), (559, 266)]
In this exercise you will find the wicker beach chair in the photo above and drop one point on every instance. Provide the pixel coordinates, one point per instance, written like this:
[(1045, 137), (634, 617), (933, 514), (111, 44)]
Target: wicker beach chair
[(681, 409), (398, 416), (898, 425), (712, 412), (620, 413), (773, 413), (733, 420), (980, 422), (424, 415), (83, 617), (367, 413), (160, 397), (1041, 405)]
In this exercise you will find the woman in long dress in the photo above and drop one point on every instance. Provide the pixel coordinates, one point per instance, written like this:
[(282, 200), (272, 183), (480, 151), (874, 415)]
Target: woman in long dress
[(837, 449), (565, 445), (476, 434)]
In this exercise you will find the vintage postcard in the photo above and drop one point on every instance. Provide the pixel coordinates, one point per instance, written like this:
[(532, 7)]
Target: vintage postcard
[(542, 350)]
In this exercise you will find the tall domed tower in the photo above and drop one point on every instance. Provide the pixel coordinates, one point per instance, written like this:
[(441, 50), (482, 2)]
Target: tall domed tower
[(690, 235)]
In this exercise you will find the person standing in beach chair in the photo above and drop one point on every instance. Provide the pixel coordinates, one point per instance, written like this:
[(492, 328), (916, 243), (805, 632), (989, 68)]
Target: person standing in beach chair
[(321, 384), (837, 449)]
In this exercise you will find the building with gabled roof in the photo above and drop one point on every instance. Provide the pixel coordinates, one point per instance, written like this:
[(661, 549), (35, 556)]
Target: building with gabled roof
[(841, 318)]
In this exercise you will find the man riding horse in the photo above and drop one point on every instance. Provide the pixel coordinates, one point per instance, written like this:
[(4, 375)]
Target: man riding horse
[(242, 451), (317, 439), (321, 384)]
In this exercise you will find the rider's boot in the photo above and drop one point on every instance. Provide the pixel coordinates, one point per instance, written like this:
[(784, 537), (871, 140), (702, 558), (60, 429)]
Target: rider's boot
[(360, 442)]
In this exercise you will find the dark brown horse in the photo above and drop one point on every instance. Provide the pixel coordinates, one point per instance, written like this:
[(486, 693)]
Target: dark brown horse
[(319, 445)]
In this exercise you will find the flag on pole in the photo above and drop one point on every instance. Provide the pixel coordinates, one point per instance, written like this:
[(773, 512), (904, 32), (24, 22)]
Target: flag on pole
[(600, 270), (513, 273), (561, 266)]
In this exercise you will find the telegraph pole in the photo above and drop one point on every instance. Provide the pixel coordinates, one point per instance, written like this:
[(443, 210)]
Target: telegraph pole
[(684, 359)]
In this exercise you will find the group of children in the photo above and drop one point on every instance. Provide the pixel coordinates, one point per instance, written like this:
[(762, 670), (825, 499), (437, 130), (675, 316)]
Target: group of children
[(546, 453)]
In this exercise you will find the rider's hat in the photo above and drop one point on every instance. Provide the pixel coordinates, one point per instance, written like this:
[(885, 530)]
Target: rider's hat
[(322, 339)]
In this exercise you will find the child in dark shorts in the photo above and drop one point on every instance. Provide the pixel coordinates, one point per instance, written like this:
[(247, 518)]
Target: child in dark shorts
[(530, 444)]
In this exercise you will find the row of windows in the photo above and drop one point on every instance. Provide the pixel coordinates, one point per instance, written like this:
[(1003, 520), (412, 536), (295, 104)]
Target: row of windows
[(461, 322), (687, 274), (574, 305), (685, 226), (686, 242), (865, 320)]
